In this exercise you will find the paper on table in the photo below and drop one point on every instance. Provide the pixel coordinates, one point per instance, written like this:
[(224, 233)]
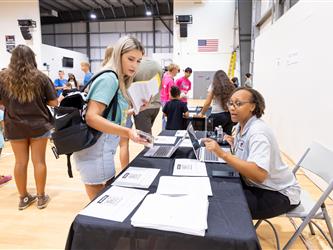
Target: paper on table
[(137, 177), (186, 143), (165, 139), (189, 167), (185, 214), (115, 204), (184, 185), (143, 90), (181, 133)]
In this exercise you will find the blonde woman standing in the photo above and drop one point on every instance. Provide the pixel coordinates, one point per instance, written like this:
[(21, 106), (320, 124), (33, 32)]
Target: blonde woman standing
[(96, 163), (25, 91)]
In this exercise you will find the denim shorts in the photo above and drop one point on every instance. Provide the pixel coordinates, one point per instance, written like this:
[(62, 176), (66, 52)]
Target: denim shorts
[(45, 135), (96, 163)]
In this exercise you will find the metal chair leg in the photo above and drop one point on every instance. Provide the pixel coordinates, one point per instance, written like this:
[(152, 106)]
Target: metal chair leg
[(275, 234), (298, 233), (327, 220), (323, 233), (311, 229)]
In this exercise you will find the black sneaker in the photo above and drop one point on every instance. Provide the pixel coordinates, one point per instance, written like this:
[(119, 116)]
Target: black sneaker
[(26, 201)]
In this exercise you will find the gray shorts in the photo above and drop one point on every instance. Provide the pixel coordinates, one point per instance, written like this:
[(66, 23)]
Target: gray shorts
[(96, 163)]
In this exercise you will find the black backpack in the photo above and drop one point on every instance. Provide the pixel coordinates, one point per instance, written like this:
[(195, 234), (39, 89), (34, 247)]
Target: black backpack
[(72, 133)]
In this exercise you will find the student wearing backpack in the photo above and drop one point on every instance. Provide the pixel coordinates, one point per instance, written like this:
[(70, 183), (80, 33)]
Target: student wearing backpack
[(96, 163), (25, 91)]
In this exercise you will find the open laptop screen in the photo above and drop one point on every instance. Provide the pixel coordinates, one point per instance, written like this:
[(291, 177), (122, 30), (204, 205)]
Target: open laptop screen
[(193, 137)]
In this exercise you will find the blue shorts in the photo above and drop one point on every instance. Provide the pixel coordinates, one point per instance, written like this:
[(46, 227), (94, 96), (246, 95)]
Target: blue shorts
[(96, 163)]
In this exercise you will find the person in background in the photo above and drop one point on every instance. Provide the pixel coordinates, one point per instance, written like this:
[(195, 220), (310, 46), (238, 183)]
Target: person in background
[(235, 82), (167, 83), (25, 92), (175, 110), (219, 92), (3, 178), (72, 80), (60, 82), (270, 187), (96, 163), (85, 67), (184, 84), (145, 119), (107, 55), (248, 80)]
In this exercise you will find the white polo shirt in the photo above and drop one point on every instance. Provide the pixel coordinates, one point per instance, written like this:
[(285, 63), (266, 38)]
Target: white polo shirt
[(257, 144)]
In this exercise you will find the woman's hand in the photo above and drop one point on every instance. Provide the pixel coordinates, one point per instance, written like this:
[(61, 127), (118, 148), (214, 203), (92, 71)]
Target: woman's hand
[(213, 146), (229, 139), (133, 135), (130, 112)]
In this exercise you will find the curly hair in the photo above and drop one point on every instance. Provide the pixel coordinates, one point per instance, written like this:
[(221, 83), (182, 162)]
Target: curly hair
[(222, 87), (22, 80), (257, 99)]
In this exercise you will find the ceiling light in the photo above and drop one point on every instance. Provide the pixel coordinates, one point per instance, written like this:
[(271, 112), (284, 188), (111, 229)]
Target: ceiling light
[(148, 13), (93, 16)]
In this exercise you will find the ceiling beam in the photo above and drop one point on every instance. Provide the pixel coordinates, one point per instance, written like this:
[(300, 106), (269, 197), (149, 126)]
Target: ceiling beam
[(123, 7), (88, 4), (50, 6)]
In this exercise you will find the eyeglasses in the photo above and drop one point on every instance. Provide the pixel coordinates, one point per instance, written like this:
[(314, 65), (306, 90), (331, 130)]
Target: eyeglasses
[(237, 104)]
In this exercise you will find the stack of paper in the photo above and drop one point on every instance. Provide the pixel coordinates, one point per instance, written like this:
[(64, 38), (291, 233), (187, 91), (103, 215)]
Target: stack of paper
[(173, 185), (189, 167), (184, 214), (136, 177), (115, 204)]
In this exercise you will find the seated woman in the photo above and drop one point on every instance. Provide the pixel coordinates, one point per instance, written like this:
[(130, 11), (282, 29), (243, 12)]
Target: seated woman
[(269, 185), (219, 92)]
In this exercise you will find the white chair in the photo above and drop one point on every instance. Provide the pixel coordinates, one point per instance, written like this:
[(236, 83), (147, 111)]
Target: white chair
[(318, 160)]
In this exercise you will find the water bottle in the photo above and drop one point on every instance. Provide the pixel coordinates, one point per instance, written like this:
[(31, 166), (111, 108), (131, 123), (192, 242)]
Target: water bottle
[(219, 136)]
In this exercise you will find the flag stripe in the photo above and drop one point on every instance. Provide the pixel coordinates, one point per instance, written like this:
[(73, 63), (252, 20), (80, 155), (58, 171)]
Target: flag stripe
[(208, 45)]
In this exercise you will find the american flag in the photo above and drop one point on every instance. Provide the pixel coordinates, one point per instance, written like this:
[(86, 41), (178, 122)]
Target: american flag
[(208, 45)]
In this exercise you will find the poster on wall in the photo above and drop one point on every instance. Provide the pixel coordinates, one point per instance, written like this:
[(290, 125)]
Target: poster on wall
[(10, 43)]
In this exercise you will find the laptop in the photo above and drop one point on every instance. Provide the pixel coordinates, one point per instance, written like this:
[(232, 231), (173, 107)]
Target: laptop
[(163, 151), (201, 153)]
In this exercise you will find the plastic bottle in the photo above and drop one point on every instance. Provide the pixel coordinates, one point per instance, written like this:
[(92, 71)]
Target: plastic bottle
[(219, 134)]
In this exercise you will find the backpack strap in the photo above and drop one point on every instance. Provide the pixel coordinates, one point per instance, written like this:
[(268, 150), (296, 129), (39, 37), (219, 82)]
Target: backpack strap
[(97, 75), (114, 101), (69, 166)]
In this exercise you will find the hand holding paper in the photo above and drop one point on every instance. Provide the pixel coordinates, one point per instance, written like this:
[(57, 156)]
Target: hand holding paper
[(141, 92)]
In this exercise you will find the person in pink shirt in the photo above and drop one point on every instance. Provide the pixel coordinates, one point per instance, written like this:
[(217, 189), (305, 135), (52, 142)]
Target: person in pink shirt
[(167, 83), (184, 84)]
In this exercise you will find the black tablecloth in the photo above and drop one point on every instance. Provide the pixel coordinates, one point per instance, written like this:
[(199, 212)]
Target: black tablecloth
[(229, 220)]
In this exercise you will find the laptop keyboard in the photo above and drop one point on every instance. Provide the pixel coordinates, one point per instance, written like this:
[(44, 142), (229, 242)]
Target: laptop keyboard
[(162, 151), (210, 156)]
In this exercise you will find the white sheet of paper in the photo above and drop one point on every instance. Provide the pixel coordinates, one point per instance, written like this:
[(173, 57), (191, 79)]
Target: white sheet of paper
[(143, 90), (173, 185), (189, 167), (115, 204), (181, 133), (165, 139), (185, 214), (137, 177), (186, 143)]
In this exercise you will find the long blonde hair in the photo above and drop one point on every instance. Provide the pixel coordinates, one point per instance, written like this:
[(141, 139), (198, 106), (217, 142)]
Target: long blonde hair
[(22, 80), (122, 46)]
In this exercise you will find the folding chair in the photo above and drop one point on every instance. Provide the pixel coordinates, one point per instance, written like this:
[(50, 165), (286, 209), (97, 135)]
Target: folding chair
[(318, 160)]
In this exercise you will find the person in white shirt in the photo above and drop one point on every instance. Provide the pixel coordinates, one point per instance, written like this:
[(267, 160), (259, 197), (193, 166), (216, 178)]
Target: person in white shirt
[(269, 185)]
